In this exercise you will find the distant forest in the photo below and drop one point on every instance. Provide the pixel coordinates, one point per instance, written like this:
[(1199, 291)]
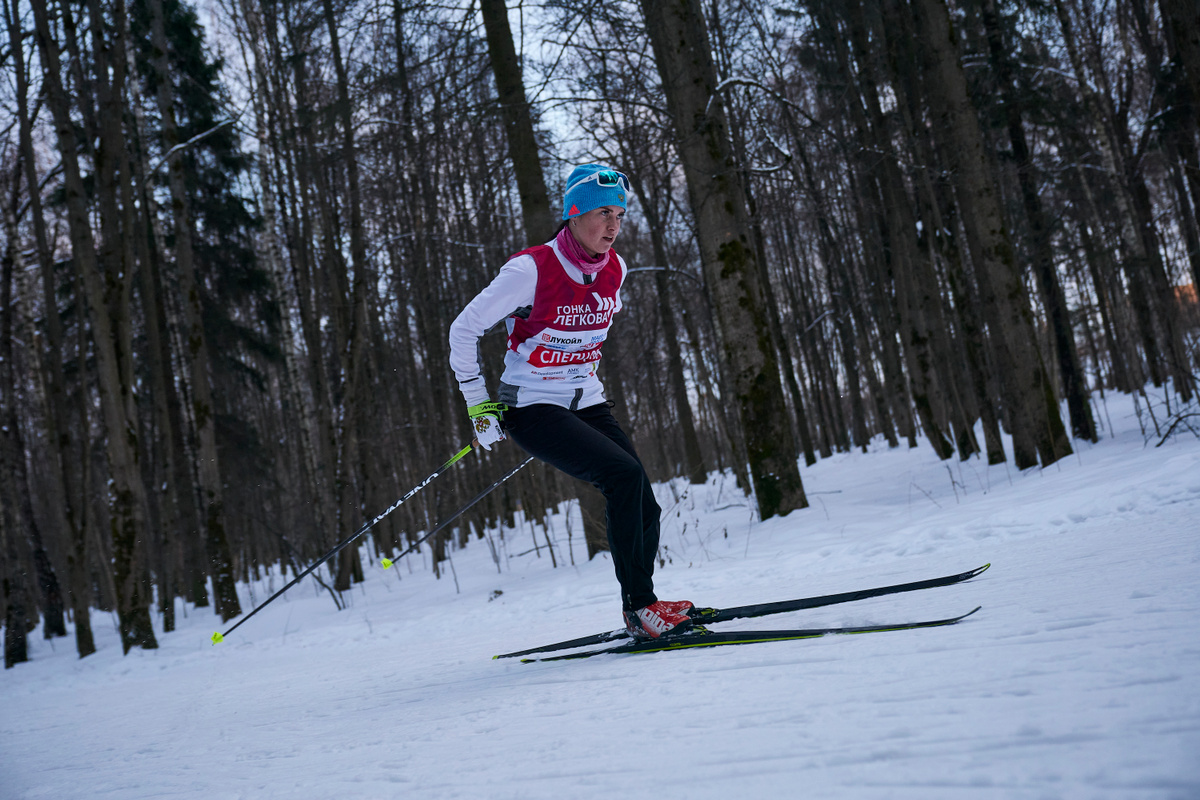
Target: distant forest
[(235, 236)]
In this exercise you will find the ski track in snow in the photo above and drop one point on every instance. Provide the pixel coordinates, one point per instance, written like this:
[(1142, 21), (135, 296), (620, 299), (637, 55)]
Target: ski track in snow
[(1080, 678)]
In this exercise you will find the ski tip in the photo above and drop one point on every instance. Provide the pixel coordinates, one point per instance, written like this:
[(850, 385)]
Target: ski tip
[(386, 562), (217, 638), (969, 613)]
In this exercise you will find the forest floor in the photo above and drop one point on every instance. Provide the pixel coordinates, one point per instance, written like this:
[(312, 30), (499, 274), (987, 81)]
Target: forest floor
[(1079, 678)]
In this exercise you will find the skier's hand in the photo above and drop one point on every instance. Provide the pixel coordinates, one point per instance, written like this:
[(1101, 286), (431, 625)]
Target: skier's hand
[(485, 418)]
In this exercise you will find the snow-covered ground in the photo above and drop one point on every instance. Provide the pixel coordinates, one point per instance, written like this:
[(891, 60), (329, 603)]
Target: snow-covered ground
[(1080, 678)]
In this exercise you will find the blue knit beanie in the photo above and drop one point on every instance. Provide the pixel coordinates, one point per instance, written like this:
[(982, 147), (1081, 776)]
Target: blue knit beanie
[(584, 191)]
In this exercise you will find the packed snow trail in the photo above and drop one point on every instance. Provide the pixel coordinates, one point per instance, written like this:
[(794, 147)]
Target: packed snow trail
[(1080, 678)]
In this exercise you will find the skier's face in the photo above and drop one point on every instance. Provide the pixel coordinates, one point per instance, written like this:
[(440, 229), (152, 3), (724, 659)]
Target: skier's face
[(597, 229)]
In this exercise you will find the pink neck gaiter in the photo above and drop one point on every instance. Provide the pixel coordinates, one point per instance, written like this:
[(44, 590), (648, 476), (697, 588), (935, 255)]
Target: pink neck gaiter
[(573, 250)]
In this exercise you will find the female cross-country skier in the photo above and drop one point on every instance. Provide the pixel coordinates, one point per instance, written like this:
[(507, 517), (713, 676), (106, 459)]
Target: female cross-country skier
[(558, 300)]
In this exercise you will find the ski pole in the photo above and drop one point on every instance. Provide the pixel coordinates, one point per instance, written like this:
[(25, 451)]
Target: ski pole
[(218, 637), (387, 562)]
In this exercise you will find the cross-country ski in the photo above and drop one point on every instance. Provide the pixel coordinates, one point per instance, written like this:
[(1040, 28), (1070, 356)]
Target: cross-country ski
[(712, 615)]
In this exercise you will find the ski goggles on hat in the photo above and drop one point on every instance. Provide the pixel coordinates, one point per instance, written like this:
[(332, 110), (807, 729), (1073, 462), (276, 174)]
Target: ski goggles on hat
[(604, 177)]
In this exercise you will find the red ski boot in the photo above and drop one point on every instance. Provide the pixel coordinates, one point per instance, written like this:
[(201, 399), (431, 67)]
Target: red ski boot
[(677, 606), (654, 620)]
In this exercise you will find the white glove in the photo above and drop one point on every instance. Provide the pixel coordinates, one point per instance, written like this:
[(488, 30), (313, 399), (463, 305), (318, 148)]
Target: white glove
[(485, 418)]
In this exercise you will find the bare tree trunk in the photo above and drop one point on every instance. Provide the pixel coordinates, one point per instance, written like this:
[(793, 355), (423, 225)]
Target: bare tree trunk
[(306, 181), (1053, 298), (1182, 20), (973, 341), (14, 590), (1181, 151), (1181, 27), (179, 524), (425, 277), (48, 364), (737, 126), (63, 474), (917, 300), (106, 293), (1127, 371), (536, 213), (679, 37), (1148, 284), (12, 325), (175, 495), (1037, 426), (837, 277), (52, 601), (789, 274), (694, 465), (354, 355), (196, 356), (518, 123), (870, 219), (271, 253)]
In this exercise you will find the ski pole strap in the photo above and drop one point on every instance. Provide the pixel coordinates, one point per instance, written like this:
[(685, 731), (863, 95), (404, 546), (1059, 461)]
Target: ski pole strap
[(489, 408)]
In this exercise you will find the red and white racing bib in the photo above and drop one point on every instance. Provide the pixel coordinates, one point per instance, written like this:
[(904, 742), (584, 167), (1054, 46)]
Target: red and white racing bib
[(568, 322)]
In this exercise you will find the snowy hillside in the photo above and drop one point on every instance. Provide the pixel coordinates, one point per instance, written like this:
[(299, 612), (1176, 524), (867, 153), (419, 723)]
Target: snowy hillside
[(1079, 678)]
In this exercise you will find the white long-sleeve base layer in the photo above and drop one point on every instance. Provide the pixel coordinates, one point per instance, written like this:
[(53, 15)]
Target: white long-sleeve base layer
[(514, 288)]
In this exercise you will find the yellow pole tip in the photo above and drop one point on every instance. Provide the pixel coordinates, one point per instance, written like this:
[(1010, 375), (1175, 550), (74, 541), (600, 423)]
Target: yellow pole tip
[(217, 638), (387, 563)]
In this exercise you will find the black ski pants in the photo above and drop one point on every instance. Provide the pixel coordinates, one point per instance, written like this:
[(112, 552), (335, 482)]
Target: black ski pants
[(589, 444)]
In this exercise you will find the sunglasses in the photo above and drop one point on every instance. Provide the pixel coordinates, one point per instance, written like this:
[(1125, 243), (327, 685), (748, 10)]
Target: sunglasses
[(605, 177)]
